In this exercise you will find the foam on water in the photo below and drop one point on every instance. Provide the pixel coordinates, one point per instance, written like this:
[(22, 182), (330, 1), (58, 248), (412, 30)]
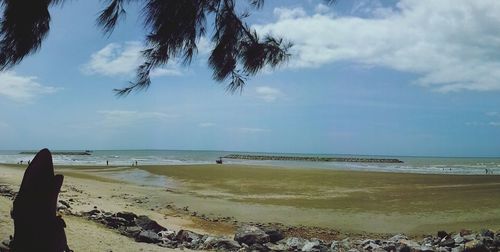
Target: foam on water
[(426, 165)]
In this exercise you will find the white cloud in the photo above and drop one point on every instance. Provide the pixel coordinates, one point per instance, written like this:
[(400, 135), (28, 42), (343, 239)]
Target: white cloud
[(268, 94), (493, 113), (451, 45), (474, 124), (22, 88), (253, 130), (286, 13), (166, 72), (494, 124), (120, 118), (482, 124), (204, 46), (321, 8), (118, 59), (206, 124)]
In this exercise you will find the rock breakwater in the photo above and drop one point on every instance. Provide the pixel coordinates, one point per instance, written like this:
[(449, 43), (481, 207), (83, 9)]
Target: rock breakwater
[(74, 153), (313, 159)]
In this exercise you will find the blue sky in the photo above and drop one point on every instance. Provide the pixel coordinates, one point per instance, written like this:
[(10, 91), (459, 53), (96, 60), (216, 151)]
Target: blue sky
[(410, 77)]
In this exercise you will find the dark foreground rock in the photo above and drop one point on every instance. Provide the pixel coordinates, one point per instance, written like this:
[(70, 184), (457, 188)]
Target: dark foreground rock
[(250, 235)]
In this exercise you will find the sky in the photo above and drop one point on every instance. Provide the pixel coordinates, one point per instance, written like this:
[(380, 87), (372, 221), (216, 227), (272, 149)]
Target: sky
[(408, 77)]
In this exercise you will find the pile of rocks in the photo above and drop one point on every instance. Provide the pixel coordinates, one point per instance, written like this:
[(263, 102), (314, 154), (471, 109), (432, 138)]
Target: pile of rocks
[(6, 191), (143, 229), (253, 238)]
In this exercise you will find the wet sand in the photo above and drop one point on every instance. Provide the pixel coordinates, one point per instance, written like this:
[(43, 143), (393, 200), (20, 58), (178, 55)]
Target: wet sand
[(372, 202)]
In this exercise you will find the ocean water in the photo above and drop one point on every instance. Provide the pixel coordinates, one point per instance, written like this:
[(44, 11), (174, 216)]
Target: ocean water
[(425, 165)]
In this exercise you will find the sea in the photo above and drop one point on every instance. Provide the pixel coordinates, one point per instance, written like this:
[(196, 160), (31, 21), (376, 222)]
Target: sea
[(411, 164)]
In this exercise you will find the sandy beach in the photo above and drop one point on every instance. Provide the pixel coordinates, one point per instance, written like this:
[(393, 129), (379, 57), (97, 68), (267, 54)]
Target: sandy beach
[(216, 199)]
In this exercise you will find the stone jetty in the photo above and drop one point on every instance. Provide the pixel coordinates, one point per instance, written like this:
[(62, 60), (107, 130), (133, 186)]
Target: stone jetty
[(75, 153), (314, 159)]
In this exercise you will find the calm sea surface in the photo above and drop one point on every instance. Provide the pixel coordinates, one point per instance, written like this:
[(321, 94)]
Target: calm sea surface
[(435, 165)]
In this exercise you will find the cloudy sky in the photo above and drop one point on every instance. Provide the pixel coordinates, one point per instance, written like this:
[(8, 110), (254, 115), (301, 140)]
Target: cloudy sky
[(409, 77)]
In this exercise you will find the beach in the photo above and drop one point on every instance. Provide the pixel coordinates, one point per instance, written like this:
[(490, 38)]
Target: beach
[(216, 199), (373, 202)]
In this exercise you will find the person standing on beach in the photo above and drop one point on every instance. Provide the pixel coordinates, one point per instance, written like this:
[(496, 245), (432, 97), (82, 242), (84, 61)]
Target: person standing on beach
[(107, 163), (135, 162)]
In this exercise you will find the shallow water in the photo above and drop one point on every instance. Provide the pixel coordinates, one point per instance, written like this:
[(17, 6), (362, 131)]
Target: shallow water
[(426, 165)]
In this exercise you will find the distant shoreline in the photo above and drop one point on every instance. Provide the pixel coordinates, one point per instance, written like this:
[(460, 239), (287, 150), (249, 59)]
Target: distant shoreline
[(314, 159)]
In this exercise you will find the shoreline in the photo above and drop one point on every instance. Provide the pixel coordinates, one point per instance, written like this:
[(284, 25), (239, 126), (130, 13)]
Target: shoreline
[(441, 171)]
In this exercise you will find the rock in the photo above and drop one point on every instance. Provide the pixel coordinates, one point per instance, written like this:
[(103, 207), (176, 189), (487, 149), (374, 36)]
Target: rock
[(465, 232), (256, 247), (274, 234), (219, 244), (61, 207), (116, 222), (310, 245), (250, 235), (370, 246), (475, 246), (148, 236), (447, 243), (458, 239), (64, 203), (335, 246), (429, 241), (411, 244), (188, 236), (443, 249), (367, 241), (458, 249), (487, 241), (425, 249), (487, 233), (5, 246), (389, 247), (469, 237), (345, 244), (405, 248), (277, 247), (294, 243), (132, 231), (442, 234), (167, 235), (127, 216), (398, 237), (147, 224), (93, 212), (496, 241)]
